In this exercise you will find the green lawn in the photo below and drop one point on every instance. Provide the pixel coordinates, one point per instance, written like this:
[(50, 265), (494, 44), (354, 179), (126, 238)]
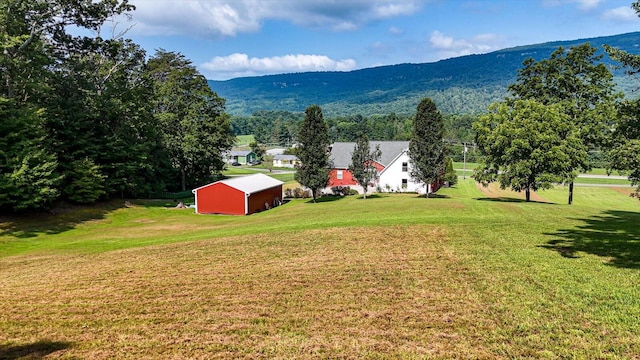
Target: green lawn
[(470, 274), (244, 140)]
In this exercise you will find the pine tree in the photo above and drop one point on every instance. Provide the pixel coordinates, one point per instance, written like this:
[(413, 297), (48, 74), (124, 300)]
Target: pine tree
[(426, 148), (362, 163), (450, 174), (313, 151)]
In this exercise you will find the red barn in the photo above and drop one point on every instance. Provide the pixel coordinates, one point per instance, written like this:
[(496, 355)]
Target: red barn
[(239, 196)]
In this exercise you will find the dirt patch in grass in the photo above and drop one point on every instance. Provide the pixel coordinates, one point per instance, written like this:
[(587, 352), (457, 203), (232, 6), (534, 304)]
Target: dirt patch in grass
[(623, 190), (393, 292), (493, 191)]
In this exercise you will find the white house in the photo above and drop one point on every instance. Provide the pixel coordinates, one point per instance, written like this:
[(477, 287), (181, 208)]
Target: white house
[(394, 168), (287, 161), (396, 176)]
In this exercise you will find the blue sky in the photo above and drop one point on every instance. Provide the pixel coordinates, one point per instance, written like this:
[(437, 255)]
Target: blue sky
[(234, 38)]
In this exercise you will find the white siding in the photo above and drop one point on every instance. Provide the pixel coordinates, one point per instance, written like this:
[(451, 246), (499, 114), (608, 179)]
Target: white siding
[(391, 178)]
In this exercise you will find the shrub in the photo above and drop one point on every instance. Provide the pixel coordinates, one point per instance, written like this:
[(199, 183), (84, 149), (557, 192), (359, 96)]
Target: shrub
[(297, 193), (342, 190)]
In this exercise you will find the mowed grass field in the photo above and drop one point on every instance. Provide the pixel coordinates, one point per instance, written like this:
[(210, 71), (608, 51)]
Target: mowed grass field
[(472, 274)]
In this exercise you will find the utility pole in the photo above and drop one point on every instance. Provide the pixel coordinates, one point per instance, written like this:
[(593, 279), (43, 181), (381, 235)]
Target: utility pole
[(464, 161)]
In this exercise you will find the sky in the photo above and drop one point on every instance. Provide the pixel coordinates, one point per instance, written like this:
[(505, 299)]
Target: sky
[(226, 39)]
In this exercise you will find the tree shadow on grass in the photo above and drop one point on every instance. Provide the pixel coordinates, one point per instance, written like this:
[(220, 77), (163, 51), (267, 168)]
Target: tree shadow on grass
[(64, 218), (37, 350), (371, 196), (433, 196), (512, 200), (326, 198), (612, 234)]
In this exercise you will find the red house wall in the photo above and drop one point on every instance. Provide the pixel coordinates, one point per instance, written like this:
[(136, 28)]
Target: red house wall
[(347, 178), (257, 200), (220, 199)]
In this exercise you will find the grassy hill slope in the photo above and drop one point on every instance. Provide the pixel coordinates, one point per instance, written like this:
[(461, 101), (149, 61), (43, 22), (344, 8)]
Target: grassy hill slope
[(472, 274), (462, 85)]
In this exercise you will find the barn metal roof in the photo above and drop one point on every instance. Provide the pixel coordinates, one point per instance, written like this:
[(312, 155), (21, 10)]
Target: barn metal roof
[(341, 152), (248, 184)]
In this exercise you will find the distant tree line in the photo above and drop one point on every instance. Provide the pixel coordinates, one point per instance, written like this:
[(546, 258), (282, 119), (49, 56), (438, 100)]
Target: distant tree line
[(282, 127), (85, 118)]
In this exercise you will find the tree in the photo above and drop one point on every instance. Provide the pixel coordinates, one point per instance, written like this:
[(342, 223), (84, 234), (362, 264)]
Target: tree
[(195, 128), (585, 87), (450, 174), (28, 177), (267, 162), (35, 47), (103, 115), (624, 154), (426, 149), (257, 149), (526, 145), (313, 151), (363, 163)]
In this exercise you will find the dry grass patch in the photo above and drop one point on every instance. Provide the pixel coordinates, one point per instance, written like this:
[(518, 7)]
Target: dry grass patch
[(623, 190), (493, 191), (337, 293)]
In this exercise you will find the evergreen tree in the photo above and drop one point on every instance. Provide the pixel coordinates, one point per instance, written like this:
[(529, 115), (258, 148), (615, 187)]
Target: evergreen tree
[(426, 148), (313, 151), (28, 177), (363, 163), (450, 174)]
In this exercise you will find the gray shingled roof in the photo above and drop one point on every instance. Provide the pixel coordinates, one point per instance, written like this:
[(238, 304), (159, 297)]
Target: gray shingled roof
[(341, 152), (285, 157)]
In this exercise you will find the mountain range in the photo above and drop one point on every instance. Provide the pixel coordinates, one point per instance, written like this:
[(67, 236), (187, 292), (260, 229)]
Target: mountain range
[(460, 85)]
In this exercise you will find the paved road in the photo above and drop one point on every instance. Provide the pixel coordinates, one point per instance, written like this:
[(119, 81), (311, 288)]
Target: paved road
[(587, 176), (593, 176)]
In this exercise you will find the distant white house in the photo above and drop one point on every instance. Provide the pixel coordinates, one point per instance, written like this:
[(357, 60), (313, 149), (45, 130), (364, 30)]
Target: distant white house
[(394, 168), (287, 161)]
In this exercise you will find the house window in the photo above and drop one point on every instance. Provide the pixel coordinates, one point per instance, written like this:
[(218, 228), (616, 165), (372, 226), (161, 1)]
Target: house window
[(405, 167), (339, 176), (404, 183)]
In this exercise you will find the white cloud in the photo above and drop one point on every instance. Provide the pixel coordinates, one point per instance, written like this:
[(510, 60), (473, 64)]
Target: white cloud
[(448, 47), (582, 4), (623, 13), (230, 17), (395, 31), (238, 65)]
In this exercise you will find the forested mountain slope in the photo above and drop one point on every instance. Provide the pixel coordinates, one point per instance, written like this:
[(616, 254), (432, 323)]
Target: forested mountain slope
[(462, 85)]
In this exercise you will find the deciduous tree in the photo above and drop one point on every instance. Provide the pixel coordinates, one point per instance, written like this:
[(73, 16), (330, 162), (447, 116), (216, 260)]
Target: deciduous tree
[(363, 161), (526, 145), (585, 88), (624, 153), (196, 129)]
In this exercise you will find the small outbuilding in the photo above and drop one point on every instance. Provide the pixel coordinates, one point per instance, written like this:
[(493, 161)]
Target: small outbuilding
[(239, 196)]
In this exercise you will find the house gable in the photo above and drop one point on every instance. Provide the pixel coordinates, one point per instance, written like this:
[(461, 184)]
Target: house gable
[(397, 176)]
